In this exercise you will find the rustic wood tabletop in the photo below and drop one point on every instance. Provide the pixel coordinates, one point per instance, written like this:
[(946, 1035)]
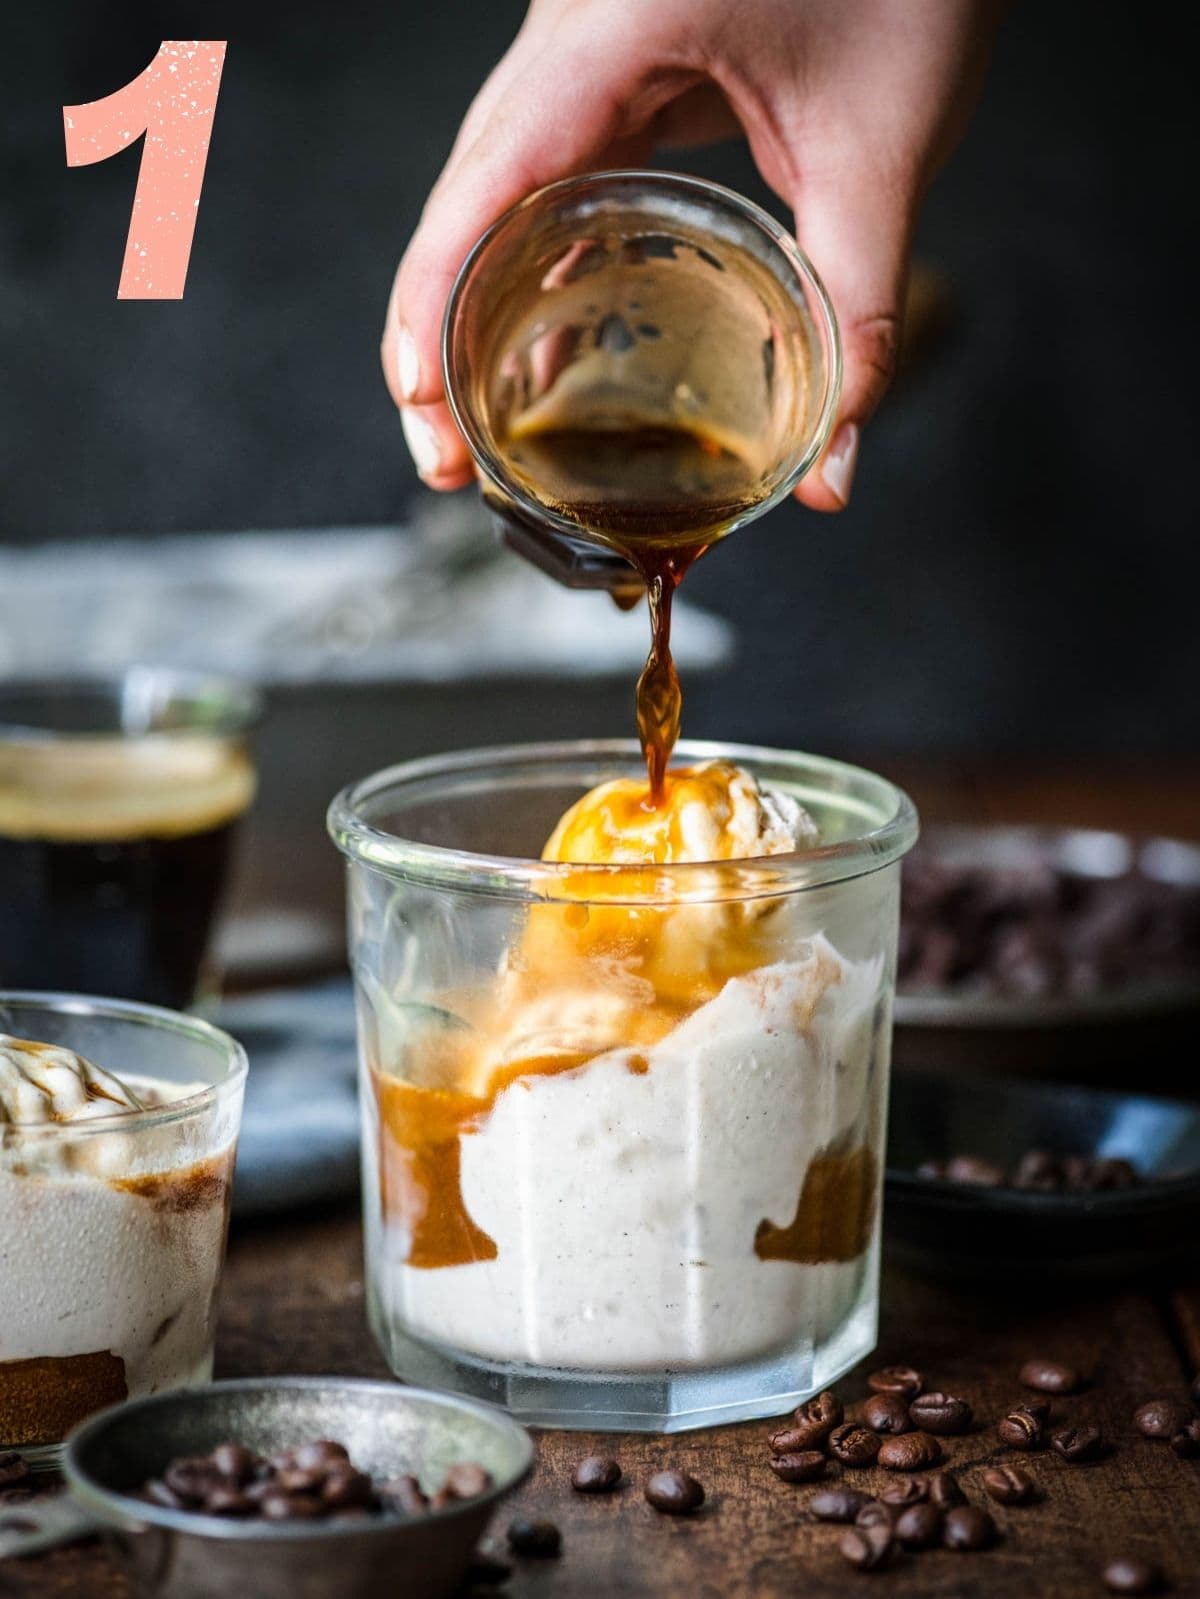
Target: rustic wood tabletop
[(293, 1303)]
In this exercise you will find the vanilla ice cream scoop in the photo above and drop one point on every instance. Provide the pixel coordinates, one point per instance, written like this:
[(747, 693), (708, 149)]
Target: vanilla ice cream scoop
[(43, 1083), (712, 812)]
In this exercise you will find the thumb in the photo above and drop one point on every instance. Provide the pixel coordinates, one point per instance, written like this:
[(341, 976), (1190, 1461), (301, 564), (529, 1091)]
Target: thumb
[(858, 241)]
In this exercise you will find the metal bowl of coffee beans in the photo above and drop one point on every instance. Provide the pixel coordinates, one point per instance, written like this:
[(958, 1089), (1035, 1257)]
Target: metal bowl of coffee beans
[(290, 1488), (1058, 951), (989, 1176)]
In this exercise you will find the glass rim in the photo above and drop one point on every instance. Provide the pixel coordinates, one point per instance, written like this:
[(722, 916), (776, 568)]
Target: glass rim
[(127, 1010), (241, 703), (512, 877), (803, 270)]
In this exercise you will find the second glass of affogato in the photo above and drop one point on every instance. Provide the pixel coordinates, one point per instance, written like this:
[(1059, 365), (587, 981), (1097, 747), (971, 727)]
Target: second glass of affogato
[(624, 1118)]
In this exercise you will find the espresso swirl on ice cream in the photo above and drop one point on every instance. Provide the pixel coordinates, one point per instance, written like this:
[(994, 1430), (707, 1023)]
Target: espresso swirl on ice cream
[(41, 1083)]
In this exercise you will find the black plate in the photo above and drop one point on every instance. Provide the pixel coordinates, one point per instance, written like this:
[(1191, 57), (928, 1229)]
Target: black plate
[(956, 1230)]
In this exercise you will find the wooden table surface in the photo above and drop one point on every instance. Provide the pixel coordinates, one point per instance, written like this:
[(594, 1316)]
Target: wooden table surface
[(293, 1303)]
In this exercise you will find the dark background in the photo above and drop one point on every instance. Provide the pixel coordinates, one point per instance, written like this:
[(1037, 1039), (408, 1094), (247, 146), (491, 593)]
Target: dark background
[(1018, 570)]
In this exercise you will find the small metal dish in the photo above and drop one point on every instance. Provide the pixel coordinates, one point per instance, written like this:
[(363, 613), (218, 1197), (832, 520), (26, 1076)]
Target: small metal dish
[(967, 1232), (171, 1554), (1092, 1038)]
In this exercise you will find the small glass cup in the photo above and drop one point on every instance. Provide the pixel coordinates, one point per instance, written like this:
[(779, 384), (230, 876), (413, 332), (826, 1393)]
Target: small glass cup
[(113, 1226), (623, 1127), (631, 302), (120, 799)]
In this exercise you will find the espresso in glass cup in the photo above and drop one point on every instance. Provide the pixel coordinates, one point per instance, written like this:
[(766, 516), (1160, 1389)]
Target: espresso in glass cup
[(120, 800), (623, 1124), (118, 1130)]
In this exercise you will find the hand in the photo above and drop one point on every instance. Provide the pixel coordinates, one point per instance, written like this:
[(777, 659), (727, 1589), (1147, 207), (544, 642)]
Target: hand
[(849, 106)]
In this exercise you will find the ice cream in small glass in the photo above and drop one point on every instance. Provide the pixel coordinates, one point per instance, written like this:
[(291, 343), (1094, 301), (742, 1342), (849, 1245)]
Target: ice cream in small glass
[(118, 1126), (624, 1073)]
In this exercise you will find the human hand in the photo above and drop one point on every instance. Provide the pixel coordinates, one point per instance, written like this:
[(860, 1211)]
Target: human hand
[(849, 106)]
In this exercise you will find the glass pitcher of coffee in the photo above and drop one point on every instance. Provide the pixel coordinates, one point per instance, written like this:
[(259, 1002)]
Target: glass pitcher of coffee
[(638, 361)]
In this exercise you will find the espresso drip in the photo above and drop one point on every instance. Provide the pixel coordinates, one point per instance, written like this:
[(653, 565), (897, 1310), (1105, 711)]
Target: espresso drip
[(660, 496)]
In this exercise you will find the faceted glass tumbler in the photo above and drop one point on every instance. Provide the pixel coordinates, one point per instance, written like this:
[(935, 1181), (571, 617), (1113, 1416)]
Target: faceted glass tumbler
[(623, 1126)]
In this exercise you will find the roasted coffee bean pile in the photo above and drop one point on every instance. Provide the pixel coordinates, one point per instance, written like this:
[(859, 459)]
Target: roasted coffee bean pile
[(928, 1509), (314, 1481), (1037, 932), (1039, 1171)]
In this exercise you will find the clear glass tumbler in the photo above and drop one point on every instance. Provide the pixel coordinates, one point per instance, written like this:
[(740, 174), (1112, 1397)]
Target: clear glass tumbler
[(113, 1226), (623, 1127)]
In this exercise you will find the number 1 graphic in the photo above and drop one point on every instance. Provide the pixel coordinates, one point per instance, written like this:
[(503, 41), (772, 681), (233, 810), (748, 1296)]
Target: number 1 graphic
[(172, 102)]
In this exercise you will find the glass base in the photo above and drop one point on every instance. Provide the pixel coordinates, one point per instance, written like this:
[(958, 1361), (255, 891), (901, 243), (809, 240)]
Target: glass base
[(667, 1403)]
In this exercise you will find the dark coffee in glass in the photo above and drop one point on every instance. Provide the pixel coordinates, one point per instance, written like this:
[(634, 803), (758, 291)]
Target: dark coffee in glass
[(119, 803)]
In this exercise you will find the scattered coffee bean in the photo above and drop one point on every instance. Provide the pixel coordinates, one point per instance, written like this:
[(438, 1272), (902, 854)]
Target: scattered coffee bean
[(815, 1419), (13, 1468), (1161, 1418), (920, 1527), (853, 1444), (804, 1467), (902, 1380), (944, 1491), (876, 1514), (887, 1413), (1186, 1441), (968, 1528), (793, 1441), (1131, 1576), (1023, 1428), (837, 1504), (911, 1451), (1008, 1485), (941, 1414), (1078, 1444), (867, 1548), (596, 1474), (905, 1491), (536, 1540), (674, 1493), (1048, 1377)]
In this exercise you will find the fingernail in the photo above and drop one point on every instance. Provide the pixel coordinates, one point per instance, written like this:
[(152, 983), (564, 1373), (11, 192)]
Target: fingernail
[(837, 469), (408, 366), (422, 441)]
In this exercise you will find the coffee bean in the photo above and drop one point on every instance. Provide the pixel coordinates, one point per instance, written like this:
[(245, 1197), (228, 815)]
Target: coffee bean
[(467, 1480), (321, 1454), (1048, 1377), (944, 1491), (301, 1479), (405, 1494), (485, 1571), (837, 1504), (229, 1502), (941, 1414), (596, 1474), (1078, 1444), (158, 1493), (904, 1492), (876, 1514), (1161, 1418), (13, 1468), (192, 1478), (349, 1489), (675, 1493), (868, 1548), (853, 1444), (1023, 1428), (235, 1462), (974, 1170), (902, 1380), (280, 1506), (1186, 1441), (968, 1528), (538, 1540), (1131, 1576), (887, 1413), (1008, 1485), (816, 1418), (920, 1527), (793, 1441), (804, 1467), (912, 1451)]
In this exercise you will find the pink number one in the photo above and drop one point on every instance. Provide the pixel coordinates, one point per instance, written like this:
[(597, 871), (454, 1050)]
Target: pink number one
[(172, 103)]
